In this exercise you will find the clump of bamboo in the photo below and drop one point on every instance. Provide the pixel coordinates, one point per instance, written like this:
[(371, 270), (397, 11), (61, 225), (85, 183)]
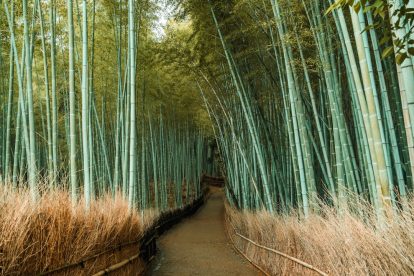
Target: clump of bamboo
[(312, 112), (61, 119)]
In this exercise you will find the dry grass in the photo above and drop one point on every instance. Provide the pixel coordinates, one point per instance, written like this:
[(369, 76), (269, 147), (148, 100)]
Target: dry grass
[(336, 244), (36, 237)]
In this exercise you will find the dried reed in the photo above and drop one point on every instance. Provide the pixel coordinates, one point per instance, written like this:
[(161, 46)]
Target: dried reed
[(40, 236), (343, 243)]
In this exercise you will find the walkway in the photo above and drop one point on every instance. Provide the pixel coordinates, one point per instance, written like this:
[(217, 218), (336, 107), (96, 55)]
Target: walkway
[(199, 246)]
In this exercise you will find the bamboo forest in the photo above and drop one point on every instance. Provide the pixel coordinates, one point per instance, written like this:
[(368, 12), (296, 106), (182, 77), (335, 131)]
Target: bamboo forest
[(207, 137)]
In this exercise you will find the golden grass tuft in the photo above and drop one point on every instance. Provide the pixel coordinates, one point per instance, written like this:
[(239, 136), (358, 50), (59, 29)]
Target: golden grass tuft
[(39, 236), (344, 244)]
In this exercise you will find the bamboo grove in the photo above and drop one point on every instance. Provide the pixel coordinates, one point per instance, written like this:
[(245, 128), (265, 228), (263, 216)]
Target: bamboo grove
[(77, 108), (306, 108)]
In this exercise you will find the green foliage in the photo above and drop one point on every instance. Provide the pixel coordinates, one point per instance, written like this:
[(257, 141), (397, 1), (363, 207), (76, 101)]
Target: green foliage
[(380, 9)]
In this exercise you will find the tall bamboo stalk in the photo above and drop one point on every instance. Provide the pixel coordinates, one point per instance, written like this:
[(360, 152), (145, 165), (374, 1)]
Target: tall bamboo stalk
[(72, 118)]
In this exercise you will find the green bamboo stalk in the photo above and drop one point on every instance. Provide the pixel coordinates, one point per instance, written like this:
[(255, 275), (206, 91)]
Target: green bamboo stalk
[(29, 92), (9, 108), (46, 81), (72, 116), (52, 23), (85, 109), (132, 73)]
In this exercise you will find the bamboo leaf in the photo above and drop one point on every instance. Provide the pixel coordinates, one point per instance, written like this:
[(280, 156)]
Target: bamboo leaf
[(387, 51)]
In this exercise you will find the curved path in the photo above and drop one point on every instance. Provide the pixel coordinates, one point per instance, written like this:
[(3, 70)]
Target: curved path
[(199, 246)]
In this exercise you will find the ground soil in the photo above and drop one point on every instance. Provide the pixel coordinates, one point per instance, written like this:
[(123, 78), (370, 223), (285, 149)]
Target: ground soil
[(199, 245)]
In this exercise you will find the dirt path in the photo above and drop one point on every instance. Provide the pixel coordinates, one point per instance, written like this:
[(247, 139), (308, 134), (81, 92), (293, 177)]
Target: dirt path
[(199, 246)]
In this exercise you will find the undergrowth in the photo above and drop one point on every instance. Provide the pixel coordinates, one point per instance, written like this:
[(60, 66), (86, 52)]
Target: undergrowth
[(39, 236), (348, 243)]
